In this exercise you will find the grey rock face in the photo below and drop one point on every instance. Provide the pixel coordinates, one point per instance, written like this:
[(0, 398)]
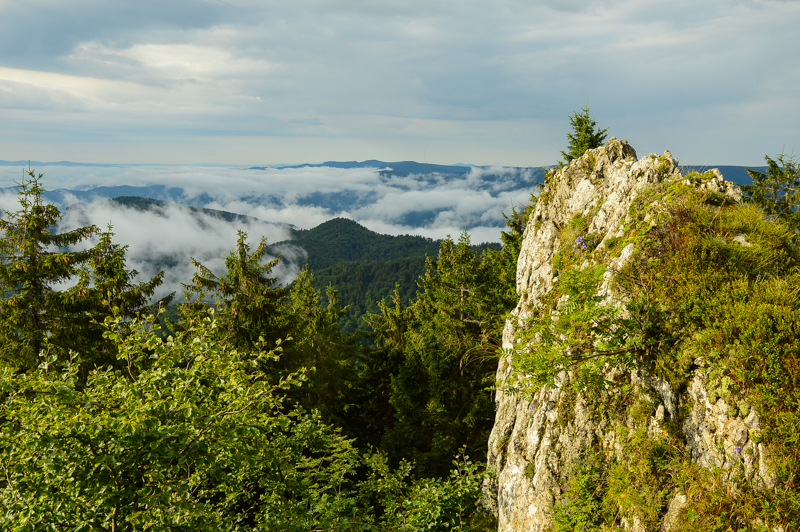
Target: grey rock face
[(534, 441), (715, 438)]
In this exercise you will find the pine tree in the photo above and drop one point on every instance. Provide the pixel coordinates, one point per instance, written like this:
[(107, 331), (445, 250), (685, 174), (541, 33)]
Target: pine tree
[(106, 288), (450, 336), (251, 304), (777, 191), (34, 260), (584, 136)]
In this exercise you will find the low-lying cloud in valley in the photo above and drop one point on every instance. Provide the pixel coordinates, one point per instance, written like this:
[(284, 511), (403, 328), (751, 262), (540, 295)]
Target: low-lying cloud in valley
[(165, 238), (432, 204)]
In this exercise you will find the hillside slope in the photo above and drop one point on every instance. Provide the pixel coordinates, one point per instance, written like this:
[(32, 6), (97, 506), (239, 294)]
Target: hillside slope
[(364, 266), (341, 240)]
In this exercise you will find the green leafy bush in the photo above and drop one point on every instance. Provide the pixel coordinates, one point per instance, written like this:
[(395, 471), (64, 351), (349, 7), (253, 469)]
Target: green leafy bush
[(191, 436)]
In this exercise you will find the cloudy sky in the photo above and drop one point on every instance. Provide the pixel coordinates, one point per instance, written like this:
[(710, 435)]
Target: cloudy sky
[(480, 82)]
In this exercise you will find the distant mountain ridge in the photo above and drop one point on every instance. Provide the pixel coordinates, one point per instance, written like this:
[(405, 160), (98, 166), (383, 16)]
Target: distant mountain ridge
[(734, 173), (399, 168)]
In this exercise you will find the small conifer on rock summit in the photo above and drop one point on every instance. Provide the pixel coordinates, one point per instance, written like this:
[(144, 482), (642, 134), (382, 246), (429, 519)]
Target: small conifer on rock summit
[(584, 135)]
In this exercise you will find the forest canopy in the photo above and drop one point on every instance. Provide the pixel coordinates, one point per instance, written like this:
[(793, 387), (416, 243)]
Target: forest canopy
[(250, 409)]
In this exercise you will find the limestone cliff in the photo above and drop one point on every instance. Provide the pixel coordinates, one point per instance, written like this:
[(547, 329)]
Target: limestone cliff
[(537, 441)]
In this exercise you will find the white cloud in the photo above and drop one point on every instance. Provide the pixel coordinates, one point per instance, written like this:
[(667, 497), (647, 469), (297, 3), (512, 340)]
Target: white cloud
[(432, 205), (8, 202), (166, 239)]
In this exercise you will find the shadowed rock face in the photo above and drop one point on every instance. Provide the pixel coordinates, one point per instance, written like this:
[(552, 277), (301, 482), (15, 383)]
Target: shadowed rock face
[(534, 441)]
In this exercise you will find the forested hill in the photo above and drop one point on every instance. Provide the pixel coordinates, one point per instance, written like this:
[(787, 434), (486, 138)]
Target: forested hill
[(340, 240), (364, 266)]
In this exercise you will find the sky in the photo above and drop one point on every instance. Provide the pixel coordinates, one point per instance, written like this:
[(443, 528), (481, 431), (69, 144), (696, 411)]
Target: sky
[(480, 82)]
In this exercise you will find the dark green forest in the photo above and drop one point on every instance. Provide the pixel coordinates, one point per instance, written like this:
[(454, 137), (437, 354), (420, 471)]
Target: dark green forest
[(254, 409), (362, 285), (363, 266)]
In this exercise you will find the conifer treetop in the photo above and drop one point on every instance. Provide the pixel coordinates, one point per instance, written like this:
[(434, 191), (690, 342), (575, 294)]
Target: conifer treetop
[(584, 135)]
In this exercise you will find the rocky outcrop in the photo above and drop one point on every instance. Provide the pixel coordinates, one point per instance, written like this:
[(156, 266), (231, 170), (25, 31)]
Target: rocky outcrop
[(535, 441)]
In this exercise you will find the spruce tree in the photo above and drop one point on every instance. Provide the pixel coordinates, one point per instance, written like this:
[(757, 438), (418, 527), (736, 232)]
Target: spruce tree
[(450, 336), (250, 303), (584, 135), (373, 409), (34, 260), (317, 345), (106, 288), (777, 191)]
